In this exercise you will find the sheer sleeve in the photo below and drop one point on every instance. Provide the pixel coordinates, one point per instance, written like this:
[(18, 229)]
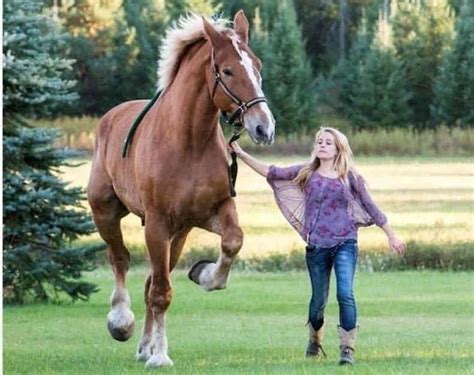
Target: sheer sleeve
[(286, 173), (288, 196), (371, 207)]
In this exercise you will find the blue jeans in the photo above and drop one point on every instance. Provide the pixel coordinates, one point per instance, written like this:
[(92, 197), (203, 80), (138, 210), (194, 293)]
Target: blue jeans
[(320, 262)]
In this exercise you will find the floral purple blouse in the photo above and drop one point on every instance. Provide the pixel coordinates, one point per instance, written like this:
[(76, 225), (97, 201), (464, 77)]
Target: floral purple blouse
[(325, 221)]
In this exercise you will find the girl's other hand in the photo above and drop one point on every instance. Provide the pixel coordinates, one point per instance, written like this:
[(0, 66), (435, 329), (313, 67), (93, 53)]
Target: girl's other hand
[(397, 245)]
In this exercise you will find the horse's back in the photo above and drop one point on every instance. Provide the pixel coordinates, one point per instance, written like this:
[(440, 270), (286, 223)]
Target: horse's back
[(109, 170), (114, 125)]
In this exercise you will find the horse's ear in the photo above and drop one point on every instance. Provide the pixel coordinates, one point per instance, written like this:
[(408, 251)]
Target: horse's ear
[(241, 26), (214, 36)]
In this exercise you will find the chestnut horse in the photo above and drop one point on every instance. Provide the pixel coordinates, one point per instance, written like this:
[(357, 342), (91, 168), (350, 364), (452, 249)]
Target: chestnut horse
[(175, 175)]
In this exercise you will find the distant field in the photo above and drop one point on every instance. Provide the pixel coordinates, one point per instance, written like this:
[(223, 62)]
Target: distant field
[(427, 200), (79, 133)]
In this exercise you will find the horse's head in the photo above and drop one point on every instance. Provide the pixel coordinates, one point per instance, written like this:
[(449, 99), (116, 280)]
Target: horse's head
[(234, 80)]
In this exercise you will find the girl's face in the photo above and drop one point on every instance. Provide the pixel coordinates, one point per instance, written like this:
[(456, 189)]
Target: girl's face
[(326, 146)]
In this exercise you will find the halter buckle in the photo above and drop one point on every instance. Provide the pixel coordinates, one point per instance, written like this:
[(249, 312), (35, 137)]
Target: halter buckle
[(243, 108)]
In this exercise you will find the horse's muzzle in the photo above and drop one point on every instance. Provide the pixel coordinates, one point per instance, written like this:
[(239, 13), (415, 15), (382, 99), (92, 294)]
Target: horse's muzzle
[(262, 136)]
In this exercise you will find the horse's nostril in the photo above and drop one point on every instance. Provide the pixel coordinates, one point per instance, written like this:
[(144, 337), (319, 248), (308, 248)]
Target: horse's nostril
[(259, 130)]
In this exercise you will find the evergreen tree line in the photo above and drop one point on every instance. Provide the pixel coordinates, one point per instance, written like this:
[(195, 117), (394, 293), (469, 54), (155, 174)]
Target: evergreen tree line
[(413, 69), (377, 63)]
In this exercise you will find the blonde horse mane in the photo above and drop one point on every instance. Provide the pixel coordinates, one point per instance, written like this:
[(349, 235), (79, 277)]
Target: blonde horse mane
[(185, 31)]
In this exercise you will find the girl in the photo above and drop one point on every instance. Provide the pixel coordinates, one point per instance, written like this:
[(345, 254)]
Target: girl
[(329, 186)]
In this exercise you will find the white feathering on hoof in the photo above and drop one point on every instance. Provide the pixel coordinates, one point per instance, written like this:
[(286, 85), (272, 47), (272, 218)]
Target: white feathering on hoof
[(159, 360), (143, 353)]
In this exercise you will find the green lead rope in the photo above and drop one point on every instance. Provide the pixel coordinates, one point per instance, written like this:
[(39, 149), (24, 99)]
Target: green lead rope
[(137, 121)]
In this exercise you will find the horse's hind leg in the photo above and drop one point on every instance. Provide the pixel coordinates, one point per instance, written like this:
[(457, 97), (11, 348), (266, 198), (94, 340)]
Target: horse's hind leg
[(212, 275), (107, 211)]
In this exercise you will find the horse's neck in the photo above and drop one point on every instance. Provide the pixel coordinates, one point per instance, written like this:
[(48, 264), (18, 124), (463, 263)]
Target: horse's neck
[(192, 114)]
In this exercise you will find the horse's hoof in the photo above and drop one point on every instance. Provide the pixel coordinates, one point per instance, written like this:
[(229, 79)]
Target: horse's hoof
[(143, 353), (196, 270), (159, 360), (121, 324), (121, 334)]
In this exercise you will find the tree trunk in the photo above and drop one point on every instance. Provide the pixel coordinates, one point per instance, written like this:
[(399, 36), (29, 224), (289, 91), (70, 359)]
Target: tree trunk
[(342, 29)]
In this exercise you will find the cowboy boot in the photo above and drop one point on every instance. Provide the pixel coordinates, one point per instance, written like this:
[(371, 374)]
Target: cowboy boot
[(315, 349), (347, 340)]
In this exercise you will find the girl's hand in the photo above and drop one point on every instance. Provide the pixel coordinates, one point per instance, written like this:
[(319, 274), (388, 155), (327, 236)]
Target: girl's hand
[(397, 245), (234, 146)]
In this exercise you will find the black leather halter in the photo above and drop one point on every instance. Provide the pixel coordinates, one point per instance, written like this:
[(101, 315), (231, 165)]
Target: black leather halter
[(237, 127), (242, 106)]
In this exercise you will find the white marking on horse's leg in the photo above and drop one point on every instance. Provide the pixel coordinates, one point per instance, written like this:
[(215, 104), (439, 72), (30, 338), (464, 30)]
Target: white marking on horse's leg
[(144, 349), (159, 357), (121, 319), (215, 275)]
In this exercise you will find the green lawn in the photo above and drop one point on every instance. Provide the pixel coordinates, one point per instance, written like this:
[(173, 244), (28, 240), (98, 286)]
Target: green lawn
[(410, 323)]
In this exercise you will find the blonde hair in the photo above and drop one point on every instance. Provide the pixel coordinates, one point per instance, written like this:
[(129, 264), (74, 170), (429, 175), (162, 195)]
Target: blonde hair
[(343, 162)]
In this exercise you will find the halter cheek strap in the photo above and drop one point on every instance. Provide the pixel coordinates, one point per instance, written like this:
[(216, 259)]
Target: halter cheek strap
[(243, 107)]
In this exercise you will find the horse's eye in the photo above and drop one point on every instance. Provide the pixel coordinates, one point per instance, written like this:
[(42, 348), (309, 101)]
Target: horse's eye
[(227, 72)]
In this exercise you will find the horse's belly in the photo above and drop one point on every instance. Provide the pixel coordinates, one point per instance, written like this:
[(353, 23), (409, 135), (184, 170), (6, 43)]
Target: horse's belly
[(199, 207), (130, 198)]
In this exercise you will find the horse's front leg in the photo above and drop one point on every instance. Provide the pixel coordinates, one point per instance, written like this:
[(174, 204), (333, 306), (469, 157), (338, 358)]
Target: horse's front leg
[(158, 296), (144, 346), (212, 275)]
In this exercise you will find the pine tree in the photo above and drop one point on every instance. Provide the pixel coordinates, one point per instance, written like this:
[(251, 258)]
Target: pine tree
[(334, 90), (178, 8), (116, 49), (287, 76), (135, 50), (422, 31), (41, 214), (454, 87), (379, 96), (369, 87)]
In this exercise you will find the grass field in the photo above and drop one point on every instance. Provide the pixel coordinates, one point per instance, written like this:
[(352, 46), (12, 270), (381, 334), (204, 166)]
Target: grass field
[(427, 200), (410, 323)]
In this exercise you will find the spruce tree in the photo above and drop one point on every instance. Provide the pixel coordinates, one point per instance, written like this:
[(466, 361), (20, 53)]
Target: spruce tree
[(287, 77), (115, 48), (379, 96), (42, 215), (369, 87), (454, 87), (334, 90), (178, 8), (422, 31)]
